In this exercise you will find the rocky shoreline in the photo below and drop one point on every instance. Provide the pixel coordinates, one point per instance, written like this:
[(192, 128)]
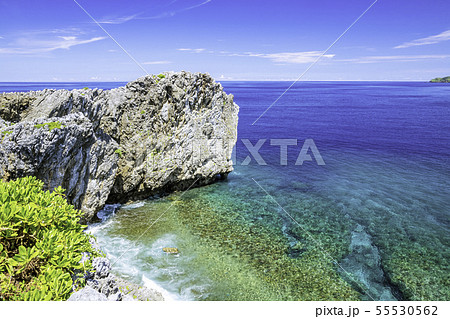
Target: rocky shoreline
[(102, 285), (155, 135)]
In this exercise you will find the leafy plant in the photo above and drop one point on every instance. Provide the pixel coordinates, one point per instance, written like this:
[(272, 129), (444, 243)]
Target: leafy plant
[(51, 125), (41, 242), (161, 76), (119, 152)]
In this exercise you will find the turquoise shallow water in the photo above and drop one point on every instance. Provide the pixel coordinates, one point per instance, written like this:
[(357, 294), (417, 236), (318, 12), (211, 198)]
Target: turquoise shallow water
[(231, 235), (373, 223)]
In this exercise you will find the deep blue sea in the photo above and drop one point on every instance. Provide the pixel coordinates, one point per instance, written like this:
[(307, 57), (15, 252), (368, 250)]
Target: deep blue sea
[(372, 223)]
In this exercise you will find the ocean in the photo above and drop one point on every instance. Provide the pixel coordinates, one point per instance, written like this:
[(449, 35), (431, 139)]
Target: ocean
[(340, 191)]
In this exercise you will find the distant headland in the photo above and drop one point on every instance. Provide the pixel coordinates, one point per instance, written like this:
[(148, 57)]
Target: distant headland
[(441, 80)]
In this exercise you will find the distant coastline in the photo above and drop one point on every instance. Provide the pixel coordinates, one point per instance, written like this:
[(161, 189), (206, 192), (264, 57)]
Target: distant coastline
[(441, 80)]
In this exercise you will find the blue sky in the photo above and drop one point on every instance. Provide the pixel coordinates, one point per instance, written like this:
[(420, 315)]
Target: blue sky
[(55, 40)]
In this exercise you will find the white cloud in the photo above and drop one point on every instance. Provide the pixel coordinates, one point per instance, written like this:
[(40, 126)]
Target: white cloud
[(294, 57), (191, 50), (51, 32), (444, 36), (138, 16), (282, 57), (156, 62), (37, 46), (196, 6), (396, 58), (119, 20), (69, 38), (172, 13)]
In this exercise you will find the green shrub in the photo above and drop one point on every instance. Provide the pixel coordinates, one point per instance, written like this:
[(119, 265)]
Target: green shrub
[(161, 76), (41, 242), (51, 125)]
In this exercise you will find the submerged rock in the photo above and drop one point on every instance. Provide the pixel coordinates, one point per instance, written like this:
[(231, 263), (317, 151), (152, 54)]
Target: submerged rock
[(171, 250), (154, 135), (363, 267), (133, 292)]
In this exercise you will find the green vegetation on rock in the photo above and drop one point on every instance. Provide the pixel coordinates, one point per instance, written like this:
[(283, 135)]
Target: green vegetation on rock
[(441, 80), (5, 133), (119, 152), (41, 242), (51, 125), (161, 76)]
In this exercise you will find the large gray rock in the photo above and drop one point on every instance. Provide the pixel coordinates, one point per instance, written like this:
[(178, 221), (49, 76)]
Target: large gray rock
[(87, 294), (153, 135), (112, 288), (72, 156)]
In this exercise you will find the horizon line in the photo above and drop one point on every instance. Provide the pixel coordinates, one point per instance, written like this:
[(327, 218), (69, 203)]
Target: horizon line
[(218, 80)]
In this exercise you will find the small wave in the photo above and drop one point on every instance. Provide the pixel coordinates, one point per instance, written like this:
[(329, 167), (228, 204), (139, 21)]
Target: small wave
[(108, 211), (93, 229), (134, 205)]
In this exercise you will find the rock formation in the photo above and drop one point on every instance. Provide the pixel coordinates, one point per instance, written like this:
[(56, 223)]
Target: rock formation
[(102, 285), (156, 134)]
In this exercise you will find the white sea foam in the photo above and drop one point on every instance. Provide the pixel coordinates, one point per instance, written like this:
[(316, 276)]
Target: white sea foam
[(95, 228), (133, 205), (153, 285), (108, 211)]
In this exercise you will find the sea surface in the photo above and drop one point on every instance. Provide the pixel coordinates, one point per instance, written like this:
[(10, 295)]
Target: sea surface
[(372, 223)]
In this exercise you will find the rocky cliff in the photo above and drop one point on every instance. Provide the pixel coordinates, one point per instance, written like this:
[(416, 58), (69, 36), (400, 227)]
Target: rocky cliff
[(156, 134)]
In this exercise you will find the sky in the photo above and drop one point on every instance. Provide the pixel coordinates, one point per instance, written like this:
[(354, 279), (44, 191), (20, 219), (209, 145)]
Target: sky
[(116, 40)]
